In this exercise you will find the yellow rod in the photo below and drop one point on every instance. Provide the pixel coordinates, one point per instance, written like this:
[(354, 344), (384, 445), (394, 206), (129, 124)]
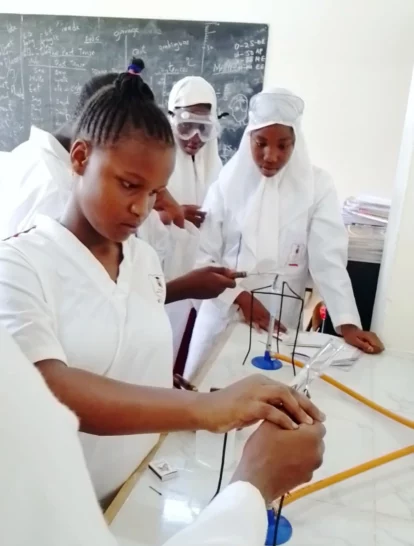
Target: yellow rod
[(346, 474), (353, 394)]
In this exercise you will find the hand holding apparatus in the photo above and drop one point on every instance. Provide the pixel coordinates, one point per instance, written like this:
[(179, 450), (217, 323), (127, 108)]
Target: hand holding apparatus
[(208, 282), (273, 458), (254, 399)]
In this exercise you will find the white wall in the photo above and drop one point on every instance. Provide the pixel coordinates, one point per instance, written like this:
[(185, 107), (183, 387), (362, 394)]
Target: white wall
[(351, 60), (393, 310)]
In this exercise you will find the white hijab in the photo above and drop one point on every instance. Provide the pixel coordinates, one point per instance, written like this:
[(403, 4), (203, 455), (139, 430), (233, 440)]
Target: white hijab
[(191, 179), (263, 205)]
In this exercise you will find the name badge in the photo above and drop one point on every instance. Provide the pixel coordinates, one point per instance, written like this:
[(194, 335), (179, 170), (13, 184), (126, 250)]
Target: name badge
[(296, 255), (158, 285)]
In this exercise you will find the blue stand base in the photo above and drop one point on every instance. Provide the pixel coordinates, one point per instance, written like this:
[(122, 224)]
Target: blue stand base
[(266, 362), (284, 531)]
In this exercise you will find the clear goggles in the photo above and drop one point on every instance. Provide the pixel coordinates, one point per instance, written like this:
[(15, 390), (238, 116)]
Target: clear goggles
[(186, 125), (275, 108)]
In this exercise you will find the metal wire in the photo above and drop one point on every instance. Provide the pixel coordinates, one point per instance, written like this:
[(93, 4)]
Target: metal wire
[(278, 515), (263, 291), (223, 460)]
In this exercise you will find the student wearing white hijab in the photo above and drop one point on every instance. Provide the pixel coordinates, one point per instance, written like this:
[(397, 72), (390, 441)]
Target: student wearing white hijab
[(192, 107), (49, 498), (272, 212)]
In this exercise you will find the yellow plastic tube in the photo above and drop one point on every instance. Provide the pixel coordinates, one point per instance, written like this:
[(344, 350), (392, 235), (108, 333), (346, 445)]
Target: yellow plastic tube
[(346, 474), (353, 394)]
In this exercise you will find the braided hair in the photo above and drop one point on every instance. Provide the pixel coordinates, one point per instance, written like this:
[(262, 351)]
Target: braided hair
[(96, 83), (91, 87), (125, 106)]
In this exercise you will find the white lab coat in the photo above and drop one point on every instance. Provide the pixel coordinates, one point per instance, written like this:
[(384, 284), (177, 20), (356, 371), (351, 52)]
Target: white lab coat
[(177, 249), (58, 302), (50, 499), (282, 227), (39, 181), (189, 185), (179, 260), (310, 238)]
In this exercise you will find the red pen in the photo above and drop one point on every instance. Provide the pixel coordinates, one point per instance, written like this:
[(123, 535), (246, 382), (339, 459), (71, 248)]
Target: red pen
[(322, 314)]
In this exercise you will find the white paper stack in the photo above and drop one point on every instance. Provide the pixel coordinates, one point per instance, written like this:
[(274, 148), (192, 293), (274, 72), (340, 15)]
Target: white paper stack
[(366, 210), (366, 243), (366, 218)]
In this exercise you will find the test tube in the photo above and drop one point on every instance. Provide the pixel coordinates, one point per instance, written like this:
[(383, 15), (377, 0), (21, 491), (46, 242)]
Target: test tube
[(317, 365), (272, 321)]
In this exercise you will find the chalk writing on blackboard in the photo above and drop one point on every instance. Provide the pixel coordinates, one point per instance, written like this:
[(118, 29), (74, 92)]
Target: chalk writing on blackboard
[(45, 60)]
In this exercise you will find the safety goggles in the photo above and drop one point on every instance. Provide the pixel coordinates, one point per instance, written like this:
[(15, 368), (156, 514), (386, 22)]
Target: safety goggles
[(275, 108), (186, 125)]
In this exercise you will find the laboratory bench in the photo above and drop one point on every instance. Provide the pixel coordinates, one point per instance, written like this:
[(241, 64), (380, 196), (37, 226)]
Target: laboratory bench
[(373, 509)]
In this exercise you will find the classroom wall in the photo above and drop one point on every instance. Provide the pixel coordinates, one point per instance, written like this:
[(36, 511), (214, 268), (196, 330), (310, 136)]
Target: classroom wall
[(351, 61), (393, 310)]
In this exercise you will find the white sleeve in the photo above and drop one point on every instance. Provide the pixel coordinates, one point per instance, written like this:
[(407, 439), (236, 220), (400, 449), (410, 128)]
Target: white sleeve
[(38, 193), (211, 232), (182, 253), (24, 310), (236, 517), (212, 240), (176, 248), (328, 257), (49, 496), (227, 298), (153, 232)]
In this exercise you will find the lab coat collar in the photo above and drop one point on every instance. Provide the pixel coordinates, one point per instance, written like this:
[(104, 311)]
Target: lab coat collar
[(76, 252), (46, 141)]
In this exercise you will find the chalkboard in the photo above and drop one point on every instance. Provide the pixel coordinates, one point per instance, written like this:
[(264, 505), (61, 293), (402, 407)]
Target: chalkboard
[(45, 60)]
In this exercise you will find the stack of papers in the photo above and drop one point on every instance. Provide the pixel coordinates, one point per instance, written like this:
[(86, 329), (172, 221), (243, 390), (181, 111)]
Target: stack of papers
[(308, 344), (366, 218), (366, 243), (366, 210)]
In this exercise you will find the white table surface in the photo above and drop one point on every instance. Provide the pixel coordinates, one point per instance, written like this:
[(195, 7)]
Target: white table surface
[(374, 509)]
